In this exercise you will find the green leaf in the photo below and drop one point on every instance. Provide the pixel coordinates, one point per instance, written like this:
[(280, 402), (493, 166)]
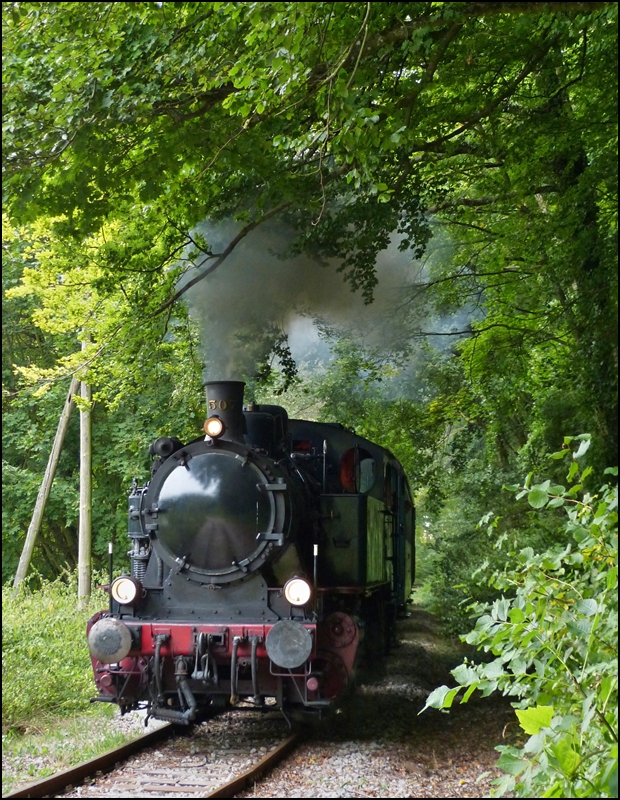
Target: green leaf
[(495, 669), (533, 719), (556, 502), (470, 690), (516, 615), (436, 698), (580, 627), (464, 674), (587, 607), (568, 758), (512, 764), (502, 786), (607, 685), (537, 497), (555, 790), (500, 609), (449, 698)]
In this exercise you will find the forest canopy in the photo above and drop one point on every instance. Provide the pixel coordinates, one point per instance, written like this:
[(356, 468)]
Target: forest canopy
[(127, 125)]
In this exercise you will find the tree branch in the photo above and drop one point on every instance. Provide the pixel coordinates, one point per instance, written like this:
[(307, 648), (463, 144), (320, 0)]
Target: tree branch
[(209, 99), (404, 31), (475, 202), (475, 332), (395, 36), (490, 107), (410, 100), (224, 255)]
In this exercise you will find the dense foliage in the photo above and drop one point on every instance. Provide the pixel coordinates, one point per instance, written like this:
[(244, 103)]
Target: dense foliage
[(482, 139), (45, 666), (127, 413), (127, 124), (554, 634)]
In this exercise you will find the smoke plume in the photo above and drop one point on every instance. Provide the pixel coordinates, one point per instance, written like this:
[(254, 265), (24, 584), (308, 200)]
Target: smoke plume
[(261, 288)]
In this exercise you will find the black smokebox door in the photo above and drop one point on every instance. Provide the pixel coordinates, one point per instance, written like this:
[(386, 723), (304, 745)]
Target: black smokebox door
[(212, 510)]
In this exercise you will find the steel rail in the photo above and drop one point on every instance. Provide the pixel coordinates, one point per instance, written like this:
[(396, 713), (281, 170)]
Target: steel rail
[(76, 775), (266, 763)]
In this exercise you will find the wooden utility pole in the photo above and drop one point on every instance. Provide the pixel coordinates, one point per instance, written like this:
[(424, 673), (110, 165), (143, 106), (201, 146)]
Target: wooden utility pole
[(85, 529), (46, 485)]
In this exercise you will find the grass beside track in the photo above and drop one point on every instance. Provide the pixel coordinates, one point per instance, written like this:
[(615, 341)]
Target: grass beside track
[(47, 722), (46, 668), (53, 745)]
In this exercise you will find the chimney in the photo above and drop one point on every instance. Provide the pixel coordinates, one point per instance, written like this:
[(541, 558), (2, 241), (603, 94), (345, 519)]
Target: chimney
[(225, 400)]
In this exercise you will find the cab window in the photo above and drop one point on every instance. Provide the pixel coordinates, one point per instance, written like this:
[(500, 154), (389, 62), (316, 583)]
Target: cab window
[(357, 470)]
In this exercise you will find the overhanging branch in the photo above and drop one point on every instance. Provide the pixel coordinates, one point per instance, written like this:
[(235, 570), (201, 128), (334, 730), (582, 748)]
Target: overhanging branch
[(222, 257), (464, 11), (477, 331), (475, 202)]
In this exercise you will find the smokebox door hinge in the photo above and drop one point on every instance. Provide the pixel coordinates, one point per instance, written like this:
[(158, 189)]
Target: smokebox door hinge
[(278, 538)]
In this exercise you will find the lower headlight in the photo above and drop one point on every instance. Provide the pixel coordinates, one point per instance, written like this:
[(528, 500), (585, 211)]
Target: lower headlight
[(109, 640), (125, 590), (297, 591)]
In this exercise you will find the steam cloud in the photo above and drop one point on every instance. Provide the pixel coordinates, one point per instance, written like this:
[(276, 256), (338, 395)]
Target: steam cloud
[(259, 288)]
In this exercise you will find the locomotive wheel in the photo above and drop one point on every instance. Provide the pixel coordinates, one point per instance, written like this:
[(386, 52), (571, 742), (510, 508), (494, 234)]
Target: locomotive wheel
[(335, 675), (378, 629), (339, 629)]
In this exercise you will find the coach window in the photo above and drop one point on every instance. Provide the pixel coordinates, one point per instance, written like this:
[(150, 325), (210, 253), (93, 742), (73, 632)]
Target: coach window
[(357, 470)]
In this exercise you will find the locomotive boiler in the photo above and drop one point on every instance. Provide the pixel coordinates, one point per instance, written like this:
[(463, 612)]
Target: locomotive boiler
[(266, 555)]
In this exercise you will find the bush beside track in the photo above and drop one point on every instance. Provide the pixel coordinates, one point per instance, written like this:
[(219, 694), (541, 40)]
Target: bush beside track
[(46, 669)]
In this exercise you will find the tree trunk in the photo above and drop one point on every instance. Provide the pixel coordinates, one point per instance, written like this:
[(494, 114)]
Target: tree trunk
[(46, 485), (84, 535)]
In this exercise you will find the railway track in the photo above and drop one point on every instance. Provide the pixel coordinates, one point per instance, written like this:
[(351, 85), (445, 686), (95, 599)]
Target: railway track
[(218, 759), (78, 774)]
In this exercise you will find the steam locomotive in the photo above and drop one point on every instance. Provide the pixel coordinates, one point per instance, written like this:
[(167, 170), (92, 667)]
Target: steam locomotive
[(265, 556)]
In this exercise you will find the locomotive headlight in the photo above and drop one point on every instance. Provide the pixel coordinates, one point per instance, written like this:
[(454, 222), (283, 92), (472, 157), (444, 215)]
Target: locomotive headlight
[(214, 427), (125, 590), (297, 591)]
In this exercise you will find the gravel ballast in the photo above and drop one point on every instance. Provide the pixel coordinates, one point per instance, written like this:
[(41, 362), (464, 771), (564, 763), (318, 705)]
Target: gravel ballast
[(378, 745)]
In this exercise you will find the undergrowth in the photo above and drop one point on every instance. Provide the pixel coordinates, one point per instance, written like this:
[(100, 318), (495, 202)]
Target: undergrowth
[(46, 669), (554, 635)]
